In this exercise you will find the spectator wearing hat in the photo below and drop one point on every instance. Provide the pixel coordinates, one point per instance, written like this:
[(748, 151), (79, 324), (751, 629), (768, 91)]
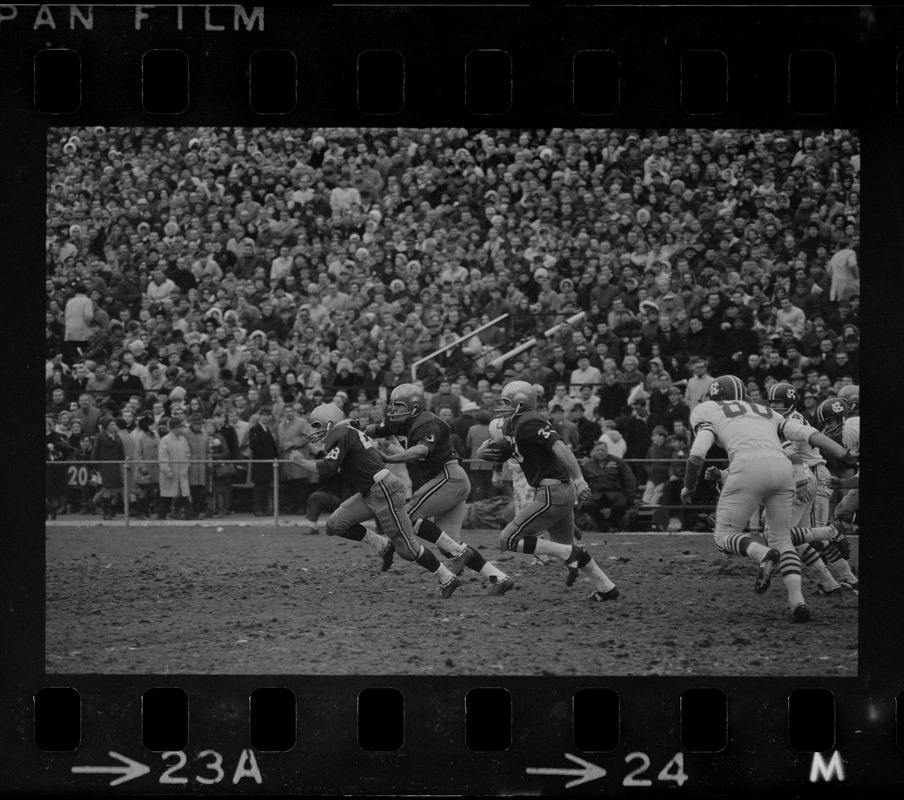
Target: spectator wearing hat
[(77, 332), (173, 456), (292, 434), (198, 448), (108, 454), (147, 467), (264, 448)]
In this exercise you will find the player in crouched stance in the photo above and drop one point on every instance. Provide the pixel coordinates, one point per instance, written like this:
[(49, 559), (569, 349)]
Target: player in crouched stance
[(378, 493), (758, 472), (437, 507), (550, 467)]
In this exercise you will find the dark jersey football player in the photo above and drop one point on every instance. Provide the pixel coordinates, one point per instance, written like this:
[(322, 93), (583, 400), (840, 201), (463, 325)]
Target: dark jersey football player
[(378, 493), (441, 486), (555, 476)]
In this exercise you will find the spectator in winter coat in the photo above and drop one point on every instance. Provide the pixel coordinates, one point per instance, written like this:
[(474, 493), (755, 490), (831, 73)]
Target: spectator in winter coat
[(109, 448), (613, 488), (173, 456)]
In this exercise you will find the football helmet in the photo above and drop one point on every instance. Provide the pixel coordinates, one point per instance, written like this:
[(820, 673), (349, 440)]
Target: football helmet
[(322, 419), (782, 398), (516, 398), (830, 416), (405, 402), (852, 395), (727, 387)]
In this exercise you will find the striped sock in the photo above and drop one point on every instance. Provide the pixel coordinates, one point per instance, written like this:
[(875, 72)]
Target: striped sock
[(831, 554), (789, 566), (811, 559), (807, 535), (740, 544)]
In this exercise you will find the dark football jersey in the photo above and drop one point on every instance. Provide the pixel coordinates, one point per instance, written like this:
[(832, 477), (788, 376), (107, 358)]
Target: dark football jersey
[(426, 429), (532, 437), (351, 453)]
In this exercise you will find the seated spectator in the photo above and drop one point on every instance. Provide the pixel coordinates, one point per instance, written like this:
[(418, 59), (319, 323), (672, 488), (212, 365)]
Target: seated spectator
[(613, 488)]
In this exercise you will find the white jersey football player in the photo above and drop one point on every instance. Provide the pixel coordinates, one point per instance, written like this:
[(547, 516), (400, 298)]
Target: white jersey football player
[(758, 472), (812, 493)]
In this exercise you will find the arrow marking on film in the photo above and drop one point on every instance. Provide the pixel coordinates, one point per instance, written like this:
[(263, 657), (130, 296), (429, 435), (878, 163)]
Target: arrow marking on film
[(131, 769), (590, 772)]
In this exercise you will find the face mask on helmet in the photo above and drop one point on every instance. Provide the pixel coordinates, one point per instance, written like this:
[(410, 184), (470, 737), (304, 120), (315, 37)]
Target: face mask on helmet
[(319, 430), (399, 411)]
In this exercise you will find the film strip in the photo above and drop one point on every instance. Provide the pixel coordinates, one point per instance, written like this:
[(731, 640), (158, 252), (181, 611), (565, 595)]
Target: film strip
[(255, 660)]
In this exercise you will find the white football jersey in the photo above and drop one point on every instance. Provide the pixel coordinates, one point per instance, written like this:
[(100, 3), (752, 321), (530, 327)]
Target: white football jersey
[(808, 454), (742, 427), (850, 435)]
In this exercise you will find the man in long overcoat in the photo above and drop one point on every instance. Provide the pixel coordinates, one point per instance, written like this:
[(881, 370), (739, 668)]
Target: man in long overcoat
[(174, 454), (198, 445), (263, 448), (292, 434)]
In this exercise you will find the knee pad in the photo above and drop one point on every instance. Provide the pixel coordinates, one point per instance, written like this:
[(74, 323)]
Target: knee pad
[(333, 528), (503, 540)]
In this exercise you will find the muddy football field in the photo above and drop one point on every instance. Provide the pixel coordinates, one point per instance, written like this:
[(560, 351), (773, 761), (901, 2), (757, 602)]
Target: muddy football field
[(265, 600)]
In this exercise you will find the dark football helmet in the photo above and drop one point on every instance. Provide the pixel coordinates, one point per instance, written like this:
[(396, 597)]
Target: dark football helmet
[(830, 416), (782, 398), (727, 387)]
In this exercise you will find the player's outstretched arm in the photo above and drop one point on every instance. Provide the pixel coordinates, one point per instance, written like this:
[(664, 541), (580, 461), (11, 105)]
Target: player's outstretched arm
[(414, 453), (297, 458)]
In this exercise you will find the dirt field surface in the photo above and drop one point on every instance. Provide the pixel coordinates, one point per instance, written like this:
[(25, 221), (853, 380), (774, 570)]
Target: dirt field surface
[(265, 600)]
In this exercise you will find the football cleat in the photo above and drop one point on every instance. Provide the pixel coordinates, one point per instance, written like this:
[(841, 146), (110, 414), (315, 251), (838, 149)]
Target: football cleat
[(851, 586), (602, 597), (573, 574), (800, 613), (498, 587), (764, 575), (823, 592), (840, 540), (388, 556), (448, 589), (457, 564)]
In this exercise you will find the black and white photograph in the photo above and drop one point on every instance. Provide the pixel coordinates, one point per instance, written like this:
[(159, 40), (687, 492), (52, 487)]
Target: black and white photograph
[(452, 401)]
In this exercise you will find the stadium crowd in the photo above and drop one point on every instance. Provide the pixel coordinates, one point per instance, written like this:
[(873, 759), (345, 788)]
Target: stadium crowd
[(202, 281)]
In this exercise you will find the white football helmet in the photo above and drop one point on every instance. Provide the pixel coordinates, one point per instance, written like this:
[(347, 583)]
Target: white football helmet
[(405, 402), (517, 398), (322, 419)]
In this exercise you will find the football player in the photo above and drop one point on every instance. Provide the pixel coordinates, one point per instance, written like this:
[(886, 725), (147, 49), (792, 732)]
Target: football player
[(811, 502), (758, 472), (378, 493), (847, 509), (555, 477), (441, 485)]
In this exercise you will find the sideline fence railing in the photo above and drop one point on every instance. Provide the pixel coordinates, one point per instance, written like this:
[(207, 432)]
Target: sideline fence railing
[(244, 468)]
